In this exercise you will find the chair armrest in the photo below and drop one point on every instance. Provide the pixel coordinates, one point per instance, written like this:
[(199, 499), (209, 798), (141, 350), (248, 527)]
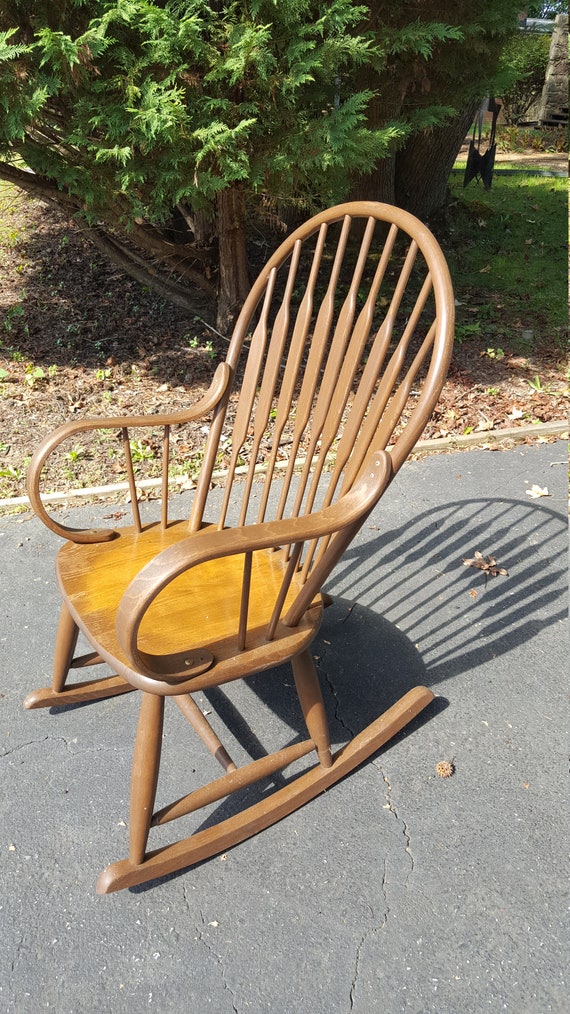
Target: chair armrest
[(344, 516), (212, 397)]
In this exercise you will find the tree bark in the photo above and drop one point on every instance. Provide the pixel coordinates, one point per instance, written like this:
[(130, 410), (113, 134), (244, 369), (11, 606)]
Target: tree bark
[(234, 282), (38, 186), (424, 163), (378, 185)]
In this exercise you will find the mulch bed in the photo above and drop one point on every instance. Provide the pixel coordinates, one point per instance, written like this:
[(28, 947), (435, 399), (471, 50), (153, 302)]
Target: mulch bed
[(78, 338)]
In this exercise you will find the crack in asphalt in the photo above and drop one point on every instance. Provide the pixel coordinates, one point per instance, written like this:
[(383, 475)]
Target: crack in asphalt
[(373, 930), (337, 707), (69, 744), (328, 679), (359, 947), (408, 849), (397, 817), (31, 742), (364, 939), (201, 937)]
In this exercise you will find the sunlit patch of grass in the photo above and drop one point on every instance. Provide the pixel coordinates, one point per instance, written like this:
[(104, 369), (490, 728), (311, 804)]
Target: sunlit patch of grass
[(508, 246)]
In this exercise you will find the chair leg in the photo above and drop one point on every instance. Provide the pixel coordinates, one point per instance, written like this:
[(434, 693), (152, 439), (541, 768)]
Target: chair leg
[(311, 699), (59, 695), (65, 642), (146, 762)]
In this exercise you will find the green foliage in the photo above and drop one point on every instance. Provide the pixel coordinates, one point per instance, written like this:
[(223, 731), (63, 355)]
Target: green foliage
[(524, 60), (450, 55), (173, 102), (139, 115), (536, 138), (146, 105), (417, 39)]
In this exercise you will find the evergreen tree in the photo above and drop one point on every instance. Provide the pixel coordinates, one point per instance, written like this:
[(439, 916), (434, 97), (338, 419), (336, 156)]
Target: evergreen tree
[(161, 124), (153, 122), (434, 72)]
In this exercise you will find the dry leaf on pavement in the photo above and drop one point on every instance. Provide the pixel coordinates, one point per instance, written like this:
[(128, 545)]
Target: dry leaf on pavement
[(536, 491), (487, 566)]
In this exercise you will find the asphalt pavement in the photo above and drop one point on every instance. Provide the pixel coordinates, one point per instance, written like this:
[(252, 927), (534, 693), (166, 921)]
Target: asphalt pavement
[(397, 890)]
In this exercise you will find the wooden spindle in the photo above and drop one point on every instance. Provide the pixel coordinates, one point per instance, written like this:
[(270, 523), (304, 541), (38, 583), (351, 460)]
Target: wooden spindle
[(131, 479)]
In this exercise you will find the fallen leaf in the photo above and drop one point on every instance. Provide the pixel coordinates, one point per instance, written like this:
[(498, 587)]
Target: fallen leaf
[(483, 271), (487, 566), (517, 413), (473, 593), (140, 494), (536, 491)]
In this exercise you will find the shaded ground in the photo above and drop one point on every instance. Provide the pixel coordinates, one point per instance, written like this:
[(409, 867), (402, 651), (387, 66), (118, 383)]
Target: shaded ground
[(79, 337)]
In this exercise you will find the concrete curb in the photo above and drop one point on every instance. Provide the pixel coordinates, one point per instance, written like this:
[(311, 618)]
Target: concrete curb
[(433, 446), (484, 437)]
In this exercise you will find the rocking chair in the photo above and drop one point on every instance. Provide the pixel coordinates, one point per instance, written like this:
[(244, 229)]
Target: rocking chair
[(334, 367)]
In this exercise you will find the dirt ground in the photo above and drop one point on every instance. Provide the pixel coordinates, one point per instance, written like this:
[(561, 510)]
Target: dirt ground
[(78, 338)]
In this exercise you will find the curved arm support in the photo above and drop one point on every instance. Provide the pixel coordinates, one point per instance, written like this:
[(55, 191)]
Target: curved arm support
[(346, 514), (213, 396)]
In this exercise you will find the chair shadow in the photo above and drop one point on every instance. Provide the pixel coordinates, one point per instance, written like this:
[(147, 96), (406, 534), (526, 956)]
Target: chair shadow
[(397, 667), (415, 574), (409, 586)]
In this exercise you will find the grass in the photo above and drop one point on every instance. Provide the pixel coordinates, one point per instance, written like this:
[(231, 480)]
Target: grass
[(507, 251), (10, 198)]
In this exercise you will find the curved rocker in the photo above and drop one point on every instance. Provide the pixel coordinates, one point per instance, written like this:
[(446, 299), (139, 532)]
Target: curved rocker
[(281, 803), (343, 345)]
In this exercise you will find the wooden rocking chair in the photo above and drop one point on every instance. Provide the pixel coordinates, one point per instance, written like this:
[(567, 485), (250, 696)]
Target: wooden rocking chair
[(342, 348)]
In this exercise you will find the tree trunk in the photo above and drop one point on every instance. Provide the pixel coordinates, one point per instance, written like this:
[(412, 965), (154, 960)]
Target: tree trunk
[(149, 274), (38, 186), (234, 283), (424, 163), (379, 184)]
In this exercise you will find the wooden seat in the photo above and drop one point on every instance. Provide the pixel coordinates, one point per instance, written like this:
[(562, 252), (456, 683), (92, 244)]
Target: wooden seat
[(334, 367)]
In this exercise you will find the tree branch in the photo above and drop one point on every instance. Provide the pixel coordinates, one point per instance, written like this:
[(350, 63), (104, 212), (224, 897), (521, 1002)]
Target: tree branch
[(38, 186), (146, 273), (177, 260)]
